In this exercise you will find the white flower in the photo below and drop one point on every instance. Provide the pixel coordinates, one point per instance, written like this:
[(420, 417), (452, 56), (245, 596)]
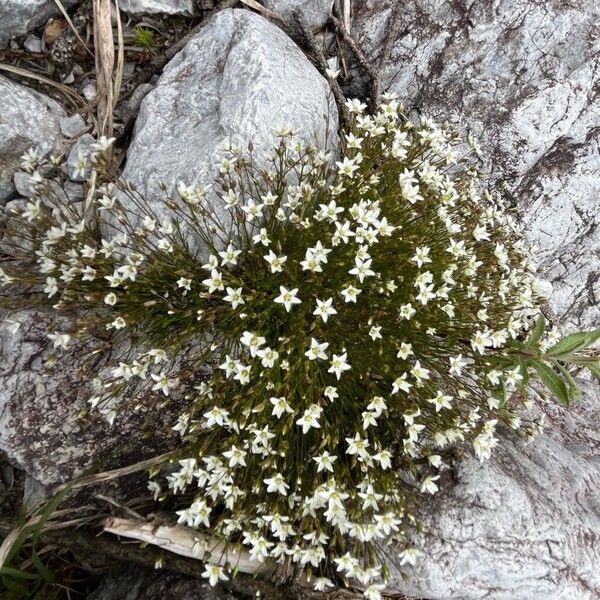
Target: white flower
[(375, 332), (269, 198), (440, 401), (405, 351), (435, 460), (421, 256), (350, 293), (280, 406), (216, 416), (513, 376), (310, 418), (407, 311), (355, 106), (322, 583), (229, 256), (377, 405), (229, 366), (362, 269), (409, 555), (418, 372), (236, 456), (61, 340), (242, 373), (155, 489), (276, 262), (118, 323), (163, 383), (493, 376), (261, 238), (331, 211), (277, 484), (149, 223), (287, 297), (215, 282), (429, 485), (252, 210), (480, 341), (347, 167), (158, 355), (330, 393), (32, 210), (325, 462), (214, 574), (316, 350), (456, 364), (185, 283), (234, 296), (268, 357), (110, 299), (401, 383), (51, 287), (358, 446), (325, 309), (339, 364), (370, 498)]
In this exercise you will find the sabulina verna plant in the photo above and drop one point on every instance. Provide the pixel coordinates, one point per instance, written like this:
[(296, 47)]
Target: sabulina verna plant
[(333, 326)]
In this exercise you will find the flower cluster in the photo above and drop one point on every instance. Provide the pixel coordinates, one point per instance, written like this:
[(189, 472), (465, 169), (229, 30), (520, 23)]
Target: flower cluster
[(359, 317)]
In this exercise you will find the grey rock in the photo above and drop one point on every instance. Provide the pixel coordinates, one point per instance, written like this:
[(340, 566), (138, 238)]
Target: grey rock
[(72, 125), (45, 428), (17, 17), (80, 151), (145, 584), (524, 77), (315, 12), (34, 44), (24, 184), (523, 526), (186, 8), (237, 81), (562, 217), (27, 119)]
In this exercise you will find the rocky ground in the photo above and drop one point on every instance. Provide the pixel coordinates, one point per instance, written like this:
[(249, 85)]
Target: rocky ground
[(523, 76)]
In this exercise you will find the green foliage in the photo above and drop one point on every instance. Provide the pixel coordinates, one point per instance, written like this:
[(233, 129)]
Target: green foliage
[(358, 317), (144, 37)]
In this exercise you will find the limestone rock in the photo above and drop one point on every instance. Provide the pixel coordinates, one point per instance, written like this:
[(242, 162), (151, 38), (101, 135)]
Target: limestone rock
[(72, 125), (523, 526), (315, 12), (27, 119), (186, 8), (17, 17), (237, 81), (44, 427), (524, 77)]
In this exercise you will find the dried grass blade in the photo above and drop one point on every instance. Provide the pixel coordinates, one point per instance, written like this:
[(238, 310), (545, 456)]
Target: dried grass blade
[(73, 96), (261, 9), (120, 56), (105, 62)]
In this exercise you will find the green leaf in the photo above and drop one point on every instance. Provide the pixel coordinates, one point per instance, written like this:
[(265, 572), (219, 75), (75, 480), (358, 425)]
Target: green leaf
[(42, 569), (572, 387), (536, 332), (552, 381), (17, 574), (574, 343), (594, 368)]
